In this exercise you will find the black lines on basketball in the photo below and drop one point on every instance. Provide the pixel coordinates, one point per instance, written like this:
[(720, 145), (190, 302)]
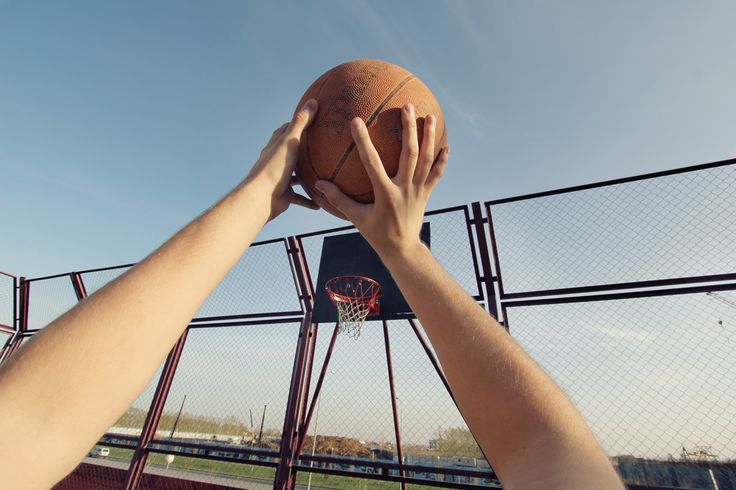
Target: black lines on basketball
[(308, 134), (375, 91), (387, 99), (370, 120)]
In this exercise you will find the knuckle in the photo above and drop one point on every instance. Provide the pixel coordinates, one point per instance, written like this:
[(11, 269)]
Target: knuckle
[(392, 198), (301, 117)]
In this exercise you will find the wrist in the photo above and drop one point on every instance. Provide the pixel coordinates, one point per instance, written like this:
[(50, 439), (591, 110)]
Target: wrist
[(254, 196), (402, 253)]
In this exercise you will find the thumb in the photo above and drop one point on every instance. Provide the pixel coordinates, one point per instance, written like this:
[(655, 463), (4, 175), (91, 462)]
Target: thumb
[(337, 198), (303, 118)]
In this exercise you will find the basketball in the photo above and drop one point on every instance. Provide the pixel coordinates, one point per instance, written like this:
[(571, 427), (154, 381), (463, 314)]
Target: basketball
[(375, 91)]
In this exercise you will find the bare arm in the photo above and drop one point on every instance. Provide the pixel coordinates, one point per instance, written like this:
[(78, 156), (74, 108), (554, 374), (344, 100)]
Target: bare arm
[(530, 431), (54, 406)]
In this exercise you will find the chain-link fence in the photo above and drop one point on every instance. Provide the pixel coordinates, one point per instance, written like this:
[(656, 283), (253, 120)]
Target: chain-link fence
[(8, 306), (8, 311), (624, 292)]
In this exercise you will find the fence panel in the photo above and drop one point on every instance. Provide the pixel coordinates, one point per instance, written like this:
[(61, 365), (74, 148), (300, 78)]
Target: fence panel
[(7, 300), (653, 376), (673, 226), (260, 282), (49, 299), (95, 280)]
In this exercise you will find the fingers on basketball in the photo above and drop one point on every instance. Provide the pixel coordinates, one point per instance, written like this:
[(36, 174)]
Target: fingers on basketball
[(438, 169), (426, 154), (410, 145), (369, 156), (346, 205), (303, 118)]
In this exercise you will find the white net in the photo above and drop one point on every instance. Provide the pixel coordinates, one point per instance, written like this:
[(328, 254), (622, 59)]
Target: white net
[(351, 315), (354, 297)]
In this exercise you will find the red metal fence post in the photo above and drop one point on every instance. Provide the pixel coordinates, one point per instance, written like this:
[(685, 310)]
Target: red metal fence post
[(78, 285), (148, 433), (285, 477), (22, 319), (485, 261), (394, 407)]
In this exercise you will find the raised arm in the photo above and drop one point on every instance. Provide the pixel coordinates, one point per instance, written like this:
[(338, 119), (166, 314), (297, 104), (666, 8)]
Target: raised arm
[(54, 407), (530, 431)]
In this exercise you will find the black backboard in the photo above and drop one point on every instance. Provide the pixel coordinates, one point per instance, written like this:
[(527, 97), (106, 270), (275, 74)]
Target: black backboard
[(351, 255)]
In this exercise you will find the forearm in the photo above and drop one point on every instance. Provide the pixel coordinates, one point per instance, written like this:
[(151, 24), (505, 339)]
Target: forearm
[(516, 412), (70, 382)]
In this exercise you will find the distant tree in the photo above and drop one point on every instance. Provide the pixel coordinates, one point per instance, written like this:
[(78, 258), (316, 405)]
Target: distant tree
[(457, 441), (135, 417)]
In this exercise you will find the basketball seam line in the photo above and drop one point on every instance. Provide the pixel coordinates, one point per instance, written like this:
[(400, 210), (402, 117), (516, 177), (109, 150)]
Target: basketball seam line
[(444, 132), (368, 123), (306, 133)]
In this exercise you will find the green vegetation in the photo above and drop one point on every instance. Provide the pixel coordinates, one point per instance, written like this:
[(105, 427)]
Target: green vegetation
[(259, 472), (457, 441), (135, 417)]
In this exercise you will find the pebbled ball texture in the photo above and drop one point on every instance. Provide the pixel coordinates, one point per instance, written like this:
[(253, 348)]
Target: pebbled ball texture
[(375, 91)]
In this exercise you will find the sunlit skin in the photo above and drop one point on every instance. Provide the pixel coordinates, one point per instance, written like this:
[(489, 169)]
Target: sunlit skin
[(54, 405)]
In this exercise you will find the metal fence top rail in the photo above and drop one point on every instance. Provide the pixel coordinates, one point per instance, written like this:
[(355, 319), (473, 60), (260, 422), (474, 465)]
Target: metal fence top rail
[(606, 183), (254, 244), (650, 293)]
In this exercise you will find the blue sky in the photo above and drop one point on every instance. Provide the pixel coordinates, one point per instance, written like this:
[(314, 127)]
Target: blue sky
[(119, 122)]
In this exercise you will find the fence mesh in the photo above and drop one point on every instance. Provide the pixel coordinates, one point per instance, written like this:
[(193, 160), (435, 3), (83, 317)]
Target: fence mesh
[(196, 473), (450, 244), (48, 299), (131, 421), (654, 377), (235, 380), (667, 227), (5, 339), (7, 301), (94, 281), (261, 282), (353, 414)]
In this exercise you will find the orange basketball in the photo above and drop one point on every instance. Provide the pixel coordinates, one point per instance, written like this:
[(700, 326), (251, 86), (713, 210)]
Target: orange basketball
[(375, 91)]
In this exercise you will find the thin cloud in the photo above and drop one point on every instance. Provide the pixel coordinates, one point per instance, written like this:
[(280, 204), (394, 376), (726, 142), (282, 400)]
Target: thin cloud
[(625, 334)]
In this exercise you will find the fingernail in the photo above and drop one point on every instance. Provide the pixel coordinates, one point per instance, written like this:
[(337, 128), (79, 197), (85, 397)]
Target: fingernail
[(430, 120), (311, 105), (409, 108), (320, 186), (358, 123)]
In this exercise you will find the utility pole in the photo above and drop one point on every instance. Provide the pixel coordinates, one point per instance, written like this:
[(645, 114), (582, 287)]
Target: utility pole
[(263, 418), (176, 422)]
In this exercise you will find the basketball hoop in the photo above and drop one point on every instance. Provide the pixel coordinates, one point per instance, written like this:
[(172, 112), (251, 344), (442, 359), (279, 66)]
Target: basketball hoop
[(355, 297)]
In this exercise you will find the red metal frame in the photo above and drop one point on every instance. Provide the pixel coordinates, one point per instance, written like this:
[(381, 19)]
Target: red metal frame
[(300, 406), (148, 432), (394, 406)]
